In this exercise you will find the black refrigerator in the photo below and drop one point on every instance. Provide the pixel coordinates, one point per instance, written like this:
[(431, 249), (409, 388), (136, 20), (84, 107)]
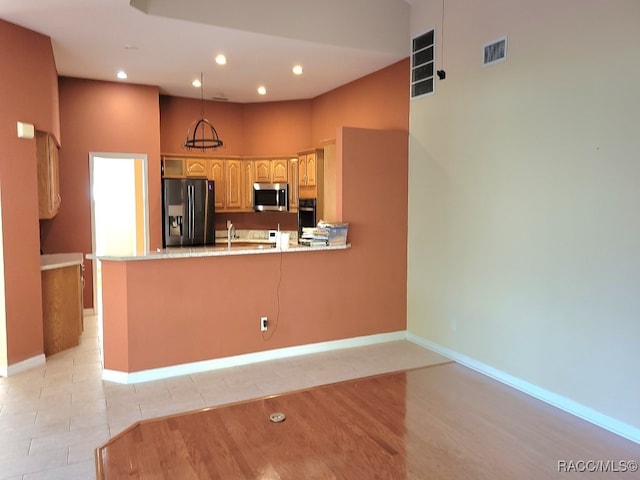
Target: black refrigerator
[(188, 211)]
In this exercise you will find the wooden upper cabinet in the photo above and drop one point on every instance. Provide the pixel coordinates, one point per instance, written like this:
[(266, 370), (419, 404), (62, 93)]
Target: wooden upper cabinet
[(197, 167), (233, 184), (248, 179), (308, 168), (280, 171), (215, 172), (272, 170), (263, 171), (234, 178), (48, 175), (173, 167), (293, 184)]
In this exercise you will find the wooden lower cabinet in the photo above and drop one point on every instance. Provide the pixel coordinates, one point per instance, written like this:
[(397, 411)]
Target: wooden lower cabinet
[(61, 308)]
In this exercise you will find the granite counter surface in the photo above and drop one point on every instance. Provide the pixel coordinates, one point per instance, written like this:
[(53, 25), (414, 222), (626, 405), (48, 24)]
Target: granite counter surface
[(237, 248)]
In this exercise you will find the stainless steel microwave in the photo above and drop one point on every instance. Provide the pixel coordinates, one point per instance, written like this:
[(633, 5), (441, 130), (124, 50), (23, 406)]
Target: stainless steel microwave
[(271, 197)]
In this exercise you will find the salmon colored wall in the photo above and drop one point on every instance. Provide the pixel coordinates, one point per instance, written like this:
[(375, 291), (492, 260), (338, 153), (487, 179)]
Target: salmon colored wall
[(277, 128), (379, 100), (177, 114), (101, 117), (28, 93), (115, 304), (265, 129), (187, 310)]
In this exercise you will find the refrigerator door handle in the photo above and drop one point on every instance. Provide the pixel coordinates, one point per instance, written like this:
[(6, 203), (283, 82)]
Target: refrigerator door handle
[(190, 199)]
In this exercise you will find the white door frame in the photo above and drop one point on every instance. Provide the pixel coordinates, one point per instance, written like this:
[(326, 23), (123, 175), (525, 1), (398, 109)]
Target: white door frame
[(145, 196)]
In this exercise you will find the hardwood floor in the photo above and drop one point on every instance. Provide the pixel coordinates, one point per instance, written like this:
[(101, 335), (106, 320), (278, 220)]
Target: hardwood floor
[(439, 422)]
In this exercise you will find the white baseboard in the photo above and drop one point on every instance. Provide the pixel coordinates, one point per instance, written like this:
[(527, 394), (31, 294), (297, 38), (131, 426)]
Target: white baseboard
[(23, 366), (248, 358), (570, 406)]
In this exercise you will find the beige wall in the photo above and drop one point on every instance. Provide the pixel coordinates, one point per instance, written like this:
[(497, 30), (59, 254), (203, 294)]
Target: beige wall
[(524, 230)]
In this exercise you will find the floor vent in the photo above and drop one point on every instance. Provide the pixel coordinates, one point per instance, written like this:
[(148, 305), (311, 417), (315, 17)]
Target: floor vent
[(495, 51), (422, 64)]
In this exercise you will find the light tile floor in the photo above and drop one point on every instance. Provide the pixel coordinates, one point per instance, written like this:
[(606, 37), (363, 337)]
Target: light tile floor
[(54, 416)]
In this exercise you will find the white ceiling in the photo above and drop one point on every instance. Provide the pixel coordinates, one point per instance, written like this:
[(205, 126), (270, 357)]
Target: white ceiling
[(168, 43)]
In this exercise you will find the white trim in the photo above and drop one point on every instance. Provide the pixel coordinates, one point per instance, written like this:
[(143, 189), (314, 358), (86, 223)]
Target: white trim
[(88, 312), (248, 358), (570, 406), (23, 366)]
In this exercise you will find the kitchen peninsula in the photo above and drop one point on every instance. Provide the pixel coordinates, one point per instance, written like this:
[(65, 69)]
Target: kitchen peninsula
[(176, 312), (164, 312)]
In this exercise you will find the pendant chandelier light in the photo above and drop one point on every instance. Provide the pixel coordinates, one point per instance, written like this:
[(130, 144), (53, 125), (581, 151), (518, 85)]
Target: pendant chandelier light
[(201, 134)]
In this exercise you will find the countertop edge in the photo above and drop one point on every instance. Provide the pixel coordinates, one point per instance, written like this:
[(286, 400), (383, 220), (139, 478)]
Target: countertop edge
[(219, 251), (60, 260)]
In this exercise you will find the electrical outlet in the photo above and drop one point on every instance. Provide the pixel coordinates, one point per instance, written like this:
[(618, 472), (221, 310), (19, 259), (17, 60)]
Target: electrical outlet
[(263, 324)]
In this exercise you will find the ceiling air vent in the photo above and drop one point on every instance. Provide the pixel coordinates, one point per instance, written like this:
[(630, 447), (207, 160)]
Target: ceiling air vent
[(422, 64), (495, 51)]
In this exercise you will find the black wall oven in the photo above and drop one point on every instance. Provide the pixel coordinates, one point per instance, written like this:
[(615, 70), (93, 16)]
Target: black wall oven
[(306, 214)]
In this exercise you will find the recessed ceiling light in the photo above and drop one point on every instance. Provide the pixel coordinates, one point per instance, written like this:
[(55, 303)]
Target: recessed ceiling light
[(262, 90), (196, 83), (221, 59), (297, 69), (122, 75)]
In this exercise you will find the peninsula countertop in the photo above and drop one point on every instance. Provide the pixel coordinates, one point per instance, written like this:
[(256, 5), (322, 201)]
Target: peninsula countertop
[(218, 250)]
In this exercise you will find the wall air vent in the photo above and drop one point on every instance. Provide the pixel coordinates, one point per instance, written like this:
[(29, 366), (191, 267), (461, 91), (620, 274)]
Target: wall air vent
[(495, 52), (422, 64)]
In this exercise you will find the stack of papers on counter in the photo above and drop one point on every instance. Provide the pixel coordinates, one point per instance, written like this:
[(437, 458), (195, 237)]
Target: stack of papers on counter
[(313, 236)]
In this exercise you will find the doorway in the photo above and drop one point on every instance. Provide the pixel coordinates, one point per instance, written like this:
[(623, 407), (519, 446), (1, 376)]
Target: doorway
[(119, 209)]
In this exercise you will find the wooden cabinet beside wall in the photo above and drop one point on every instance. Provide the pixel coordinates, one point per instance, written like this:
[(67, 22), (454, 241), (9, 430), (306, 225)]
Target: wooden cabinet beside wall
[(48, 177), (61, 308), (311, 171)]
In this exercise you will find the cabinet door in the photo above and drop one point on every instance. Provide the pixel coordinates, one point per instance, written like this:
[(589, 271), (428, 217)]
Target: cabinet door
[(302, 170), (216, 173), (233, 184), (248, 179), (48, 178), (263, 171), (196, 167), (279, 171), (61, 308), (293, 185), (172, 167), (310, 172)]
